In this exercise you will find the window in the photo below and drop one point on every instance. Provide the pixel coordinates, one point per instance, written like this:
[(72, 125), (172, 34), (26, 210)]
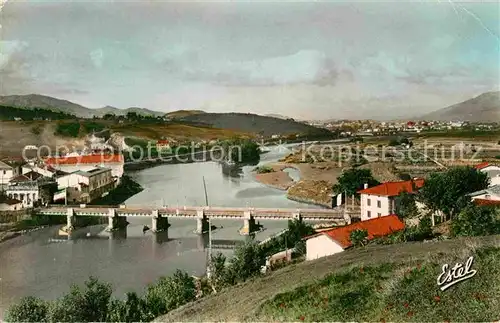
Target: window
[(369, 214), (379, 204), (368, 202), (379, 214), (487, 196)]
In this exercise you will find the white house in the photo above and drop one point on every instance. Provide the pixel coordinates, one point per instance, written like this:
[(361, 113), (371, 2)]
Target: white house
[(493, 172), (27, 188), (85, 186), (336, 240), (8, 204), (488, 196), (89, 162), (7, 172), (380, 200)]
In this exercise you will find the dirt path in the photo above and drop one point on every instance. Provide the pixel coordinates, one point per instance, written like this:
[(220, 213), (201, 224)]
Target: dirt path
[(240, 303)]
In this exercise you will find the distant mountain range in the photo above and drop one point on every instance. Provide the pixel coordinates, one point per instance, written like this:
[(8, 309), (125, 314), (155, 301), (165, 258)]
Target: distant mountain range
[(483, 108), (32, 101)]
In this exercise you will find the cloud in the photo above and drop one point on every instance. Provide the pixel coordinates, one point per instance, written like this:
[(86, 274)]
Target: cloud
[(302, 67), (9, 49), (97, 57)]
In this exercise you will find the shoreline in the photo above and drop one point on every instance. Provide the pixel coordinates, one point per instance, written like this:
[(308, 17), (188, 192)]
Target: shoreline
[(281, 180), (11, 234)]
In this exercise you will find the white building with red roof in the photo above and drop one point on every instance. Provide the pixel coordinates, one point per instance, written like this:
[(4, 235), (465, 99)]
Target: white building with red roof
[(380, 200), (71, 164), (493, 172), (329, 242)]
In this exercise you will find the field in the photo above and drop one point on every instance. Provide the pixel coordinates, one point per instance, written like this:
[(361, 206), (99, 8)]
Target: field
[(177, 131), (373, 283), (15, 135)]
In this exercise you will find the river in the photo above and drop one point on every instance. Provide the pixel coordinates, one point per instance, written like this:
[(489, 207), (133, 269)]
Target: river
[(44, 264)]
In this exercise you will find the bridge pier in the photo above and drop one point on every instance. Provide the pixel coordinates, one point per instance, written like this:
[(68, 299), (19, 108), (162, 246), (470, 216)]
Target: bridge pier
[(202, 224), (115, 222), (159, 223), (70, 220), (249, 225)]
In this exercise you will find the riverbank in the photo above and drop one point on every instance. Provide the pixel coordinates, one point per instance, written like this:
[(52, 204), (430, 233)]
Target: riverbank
[(313, 186), (28, 222)]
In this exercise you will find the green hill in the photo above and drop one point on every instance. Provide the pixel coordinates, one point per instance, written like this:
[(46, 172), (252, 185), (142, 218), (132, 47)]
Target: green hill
[(374, 283), (253, 123)]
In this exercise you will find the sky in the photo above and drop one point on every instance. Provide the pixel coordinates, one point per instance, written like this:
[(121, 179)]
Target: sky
[(308, 60)]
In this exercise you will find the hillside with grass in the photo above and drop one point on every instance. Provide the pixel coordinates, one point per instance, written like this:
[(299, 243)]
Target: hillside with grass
[(372, 283), (253, 123), (182, 113)]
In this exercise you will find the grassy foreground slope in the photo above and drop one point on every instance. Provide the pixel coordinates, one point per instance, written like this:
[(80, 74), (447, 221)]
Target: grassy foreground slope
[(393, 283)]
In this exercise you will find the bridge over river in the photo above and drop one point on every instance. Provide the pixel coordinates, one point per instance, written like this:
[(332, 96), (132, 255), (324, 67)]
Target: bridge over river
[(117, 215)]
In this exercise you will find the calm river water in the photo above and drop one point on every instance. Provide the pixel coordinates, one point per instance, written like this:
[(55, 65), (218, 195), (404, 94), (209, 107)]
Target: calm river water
[(45, 264)]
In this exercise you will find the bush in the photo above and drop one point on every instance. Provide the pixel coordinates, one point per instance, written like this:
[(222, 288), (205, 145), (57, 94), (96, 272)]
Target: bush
[(92, 126), (476, 221), (358, 237), (247, 262), (169, 293), (89, 305), (69, 129), (420, 232), (29, 309), (36, 130), (264, 169), (133, 309)]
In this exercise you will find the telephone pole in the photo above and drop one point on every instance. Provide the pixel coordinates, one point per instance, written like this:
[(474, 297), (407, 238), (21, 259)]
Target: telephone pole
[(209, 260)]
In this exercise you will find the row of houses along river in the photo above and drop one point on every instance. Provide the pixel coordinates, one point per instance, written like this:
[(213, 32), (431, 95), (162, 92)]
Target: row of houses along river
[(44, 264)]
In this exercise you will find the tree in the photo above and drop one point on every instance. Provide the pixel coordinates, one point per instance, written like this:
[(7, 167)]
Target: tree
[(133, 309), (96, 296), (247, 262), (358, 237), (447, 191), (406, 206), (218, 272), (241, 150), (476, 221), (169, 293), (133, 116), (29, 309), (352, 180), (89, 305)]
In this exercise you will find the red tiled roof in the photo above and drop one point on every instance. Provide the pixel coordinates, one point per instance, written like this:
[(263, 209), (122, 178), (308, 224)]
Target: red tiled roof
[(376, 228), (485, 202), (162, 142), (393, 188), (87, 159), (482, 165)]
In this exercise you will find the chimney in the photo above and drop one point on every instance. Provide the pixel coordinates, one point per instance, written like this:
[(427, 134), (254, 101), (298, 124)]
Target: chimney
[(365, 186)]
